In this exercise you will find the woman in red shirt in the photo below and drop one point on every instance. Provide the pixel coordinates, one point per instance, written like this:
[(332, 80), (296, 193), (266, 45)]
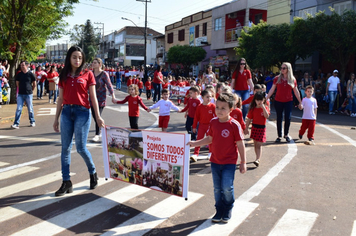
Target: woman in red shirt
[(157, 84), (74, 108), (241, 80), (40, 77), (283, 101), (52, 78)]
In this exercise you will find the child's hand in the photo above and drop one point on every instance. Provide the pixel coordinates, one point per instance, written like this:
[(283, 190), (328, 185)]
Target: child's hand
[(113, 100), (242, 168), (194, 130), (191, 143), (246, 131), (300, 106), (149, 110)]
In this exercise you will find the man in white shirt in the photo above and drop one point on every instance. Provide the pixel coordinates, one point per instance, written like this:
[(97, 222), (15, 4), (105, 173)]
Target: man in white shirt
[(331, 90)]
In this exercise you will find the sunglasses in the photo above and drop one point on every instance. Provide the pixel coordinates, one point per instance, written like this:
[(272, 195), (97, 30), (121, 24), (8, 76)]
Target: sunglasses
[(284, 68), (242, 64)]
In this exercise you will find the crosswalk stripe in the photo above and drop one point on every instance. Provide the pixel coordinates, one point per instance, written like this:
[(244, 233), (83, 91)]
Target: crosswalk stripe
[(239, 213), (18, 209), (294, 223), (79, 214), (18, 171), (4, 163), (353, 233), (33, 183), (153, 216)]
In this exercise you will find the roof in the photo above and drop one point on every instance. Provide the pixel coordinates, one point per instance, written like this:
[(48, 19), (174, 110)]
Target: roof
[(133, 30)]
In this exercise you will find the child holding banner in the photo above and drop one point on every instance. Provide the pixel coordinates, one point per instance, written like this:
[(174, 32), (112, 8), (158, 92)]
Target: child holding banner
[(226, 138), (134, 101), (165, 107), (205, 112), (191, 107)]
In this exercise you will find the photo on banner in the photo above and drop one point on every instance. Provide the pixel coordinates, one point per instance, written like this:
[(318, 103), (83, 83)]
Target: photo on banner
[(157, 160)]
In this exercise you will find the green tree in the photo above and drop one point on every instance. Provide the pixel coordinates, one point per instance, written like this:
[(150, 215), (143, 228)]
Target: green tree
[(85, 37), (185, 55), (25, 27)]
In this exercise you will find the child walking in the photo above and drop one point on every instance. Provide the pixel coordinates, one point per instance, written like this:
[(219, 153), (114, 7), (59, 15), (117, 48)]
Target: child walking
[(134, 101), (165, 105), (258, 114), (227, 139), (191, 107), (148, 86), (310, 108), (204, 113)]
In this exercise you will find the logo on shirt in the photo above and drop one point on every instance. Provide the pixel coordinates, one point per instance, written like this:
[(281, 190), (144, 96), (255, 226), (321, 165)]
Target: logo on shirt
[(135, 102), (235, 116), (225, 133), (80, 81), (210, 112), (194, 104)]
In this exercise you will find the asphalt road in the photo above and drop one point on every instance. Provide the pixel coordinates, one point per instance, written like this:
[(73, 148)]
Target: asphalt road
[(297, 190)]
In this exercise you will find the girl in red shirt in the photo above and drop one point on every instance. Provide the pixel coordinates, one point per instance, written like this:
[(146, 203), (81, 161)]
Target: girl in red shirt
[(157, 84), (134, 101), (258, 114), (74, 108), (140, 86), (237, 113), (148, 86)]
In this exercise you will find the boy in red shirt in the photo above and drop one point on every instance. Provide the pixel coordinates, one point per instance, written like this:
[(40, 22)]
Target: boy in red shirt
[(129, 82), (140, 86), (191, 107), (226, 139), (204, 113), (148, 86)]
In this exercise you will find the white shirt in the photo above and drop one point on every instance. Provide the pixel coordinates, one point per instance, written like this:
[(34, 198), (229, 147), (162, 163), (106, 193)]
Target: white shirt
[(333, 81), (309, 106), (165, 107)]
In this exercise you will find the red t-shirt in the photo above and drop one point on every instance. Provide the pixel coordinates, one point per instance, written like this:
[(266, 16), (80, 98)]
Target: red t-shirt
[(187, 83), (75, 90), (225, 135), (165, 86), (135, 81), (173, 83), (257, 117), (181, 84), (41, 76), (129, 82), (134, 109), (237, 115), (204, 114), (140, 85), (248, 100), (284, 90), (155, 80), (241, 79), (148, 85), (192, 107), (51, 75)]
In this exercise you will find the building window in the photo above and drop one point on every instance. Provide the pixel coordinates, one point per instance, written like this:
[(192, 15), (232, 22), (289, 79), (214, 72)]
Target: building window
[(305, 12), (205, 29), (170, 38), (258, 18), (197, 31), (341, 7), (133, 50), (181, 35), (218, 24)]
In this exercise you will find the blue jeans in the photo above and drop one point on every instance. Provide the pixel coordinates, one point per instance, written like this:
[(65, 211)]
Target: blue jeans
[(40, 88), (76, 120), (353, 103), (157, 92), (51, 92), (21, 98), (244, 94), (332, 97), (118, 83), (285, 107), (223, 180)]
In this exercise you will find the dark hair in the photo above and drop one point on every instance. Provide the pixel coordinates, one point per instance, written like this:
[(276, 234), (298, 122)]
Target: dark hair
[(194, 89), (164, 91), (205, 92), (258, 97), (257, 86), (158, 68), (38, 67), (239, 63), (68, 66), (227, 97)]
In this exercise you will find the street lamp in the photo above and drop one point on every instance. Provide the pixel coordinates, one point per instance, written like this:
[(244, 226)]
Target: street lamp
[(145, 53)]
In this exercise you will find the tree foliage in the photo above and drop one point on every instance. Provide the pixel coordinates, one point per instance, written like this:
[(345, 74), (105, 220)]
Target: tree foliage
[(26, 25), (185, 55)]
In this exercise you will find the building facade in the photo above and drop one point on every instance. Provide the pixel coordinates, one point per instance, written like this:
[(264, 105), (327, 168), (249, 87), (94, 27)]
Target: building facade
[(57, 52), (279, 12)]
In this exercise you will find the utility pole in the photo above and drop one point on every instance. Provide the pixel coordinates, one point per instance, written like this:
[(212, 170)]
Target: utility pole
[(102, 35), (145, 35)]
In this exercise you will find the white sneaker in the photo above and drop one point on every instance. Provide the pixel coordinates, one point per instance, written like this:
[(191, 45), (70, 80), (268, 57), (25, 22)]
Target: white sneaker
[(96, 139), (353, 115), (194, 158), (33, 124), (15, 126), (55, 102)]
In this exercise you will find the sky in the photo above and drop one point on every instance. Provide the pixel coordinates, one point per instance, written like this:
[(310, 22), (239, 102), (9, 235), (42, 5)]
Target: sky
[(159, 13)]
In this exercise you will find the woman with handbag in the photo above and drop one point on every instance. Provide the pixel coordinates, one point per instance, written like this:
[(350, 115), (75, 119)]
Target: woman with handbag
[(52, 78)]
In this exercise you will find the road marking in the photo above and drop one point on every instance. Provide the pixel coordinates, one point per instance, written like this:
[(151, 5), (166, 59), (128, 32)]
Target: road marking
[(239, 213), (32, 183), (46, 111), (153, 216), (79, 214), (294, 223), (4, 163), (18, 171), (20, 208), (122, 108), (353, 233), (29, 139)]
